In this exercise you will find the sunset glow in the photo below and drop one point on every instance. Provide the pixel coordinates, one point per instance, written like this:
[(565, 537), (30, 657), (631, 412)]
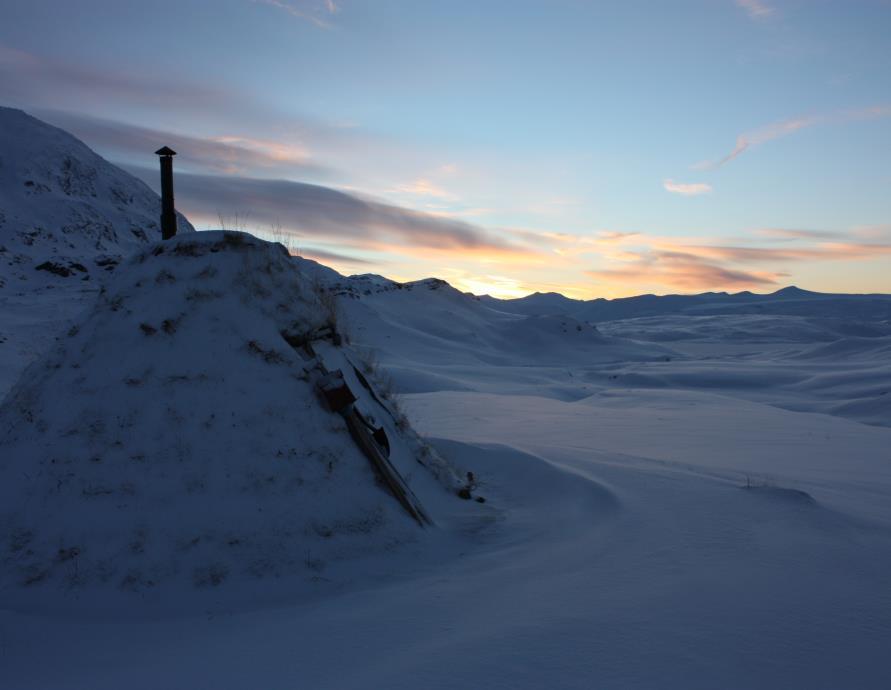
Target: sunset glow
[(548, 153)]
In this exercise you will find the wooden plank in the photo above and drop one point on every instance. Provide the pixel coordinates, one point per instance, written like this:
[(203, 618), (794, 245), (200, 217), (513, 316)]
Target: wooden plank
[(384, 467)]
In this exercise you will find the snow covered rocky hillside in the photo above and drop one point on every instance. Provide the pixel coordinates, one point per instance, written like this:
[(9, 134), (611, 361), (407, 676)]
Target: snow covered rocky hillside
[(67, 218), (171, 449)]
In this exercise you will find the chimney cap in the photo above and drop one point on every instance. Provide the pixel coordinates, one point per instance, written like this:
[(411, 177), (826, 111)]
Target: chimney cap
[(165, 151)]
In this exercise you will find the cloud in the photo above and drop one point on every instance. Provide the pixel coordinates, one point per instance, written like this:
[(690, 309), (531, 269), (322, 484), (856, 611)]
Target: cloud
[(424, 187), (309, 10), (824, 251), (875, 233), (324, 213), (612, 236), (776, 130), (794, 234), (691, 265), (687, 189), (764, 134), (684, 271), (323, 255), (31, 79), (232, 154), (756, 9)]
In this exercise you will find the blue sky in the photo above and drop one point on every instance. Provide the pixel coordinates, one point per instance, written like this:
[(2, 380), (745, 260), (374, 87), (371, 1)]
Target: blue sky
[(596, 148)]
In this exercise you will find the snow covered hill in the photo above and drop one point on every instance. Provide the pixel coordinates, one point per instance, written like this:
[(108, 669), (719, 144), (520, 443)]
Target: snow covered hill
[(171, 448), (67, 218), (430, 336)]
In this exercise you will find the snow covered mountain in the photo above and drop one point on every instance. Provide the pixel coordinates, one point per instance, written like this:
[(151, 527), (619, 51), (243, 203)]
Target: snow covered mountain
[(67, 218), (65, 211), (790, 300)]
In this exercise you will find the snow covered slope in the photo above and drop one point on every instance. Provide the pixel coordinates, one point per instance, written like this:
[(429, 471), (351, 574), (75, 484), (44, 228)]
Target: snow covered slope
[(62, 204), (171, 449), (427, 333), (67, 218)]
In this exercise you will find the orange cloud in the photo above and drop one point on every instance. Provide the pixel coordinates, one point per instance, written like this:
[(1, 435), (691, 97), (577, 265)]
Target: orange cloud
[(692, 265), (424, 187)]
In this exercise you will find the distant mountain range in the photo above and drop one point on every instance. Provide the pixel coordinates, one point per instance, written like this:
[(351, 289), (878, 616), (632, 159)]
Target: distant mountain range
[(790, 300)]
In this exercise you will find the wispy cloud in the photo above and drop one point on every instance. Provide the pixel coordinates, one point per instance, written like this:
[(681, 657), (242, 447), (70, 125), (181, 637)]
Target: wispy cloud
[(325, 256), (34, 79), (798, 234), (424, 187), (612, 236), (323, 213), (233, 154), (315, 11), (760, 136), (756, 9), (776, 130), (690, 264), (683, 271), (832, 251), (687, 189)]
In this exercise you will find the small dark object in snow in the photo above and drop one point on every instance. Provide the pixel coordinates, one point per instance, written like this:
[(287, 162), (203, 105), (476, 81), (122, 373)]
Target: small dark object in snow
[(19, 539), (106, 261), (36, 576), (210, 576), (147, 329), (380, 437), (269, 356), (480, 499), (54, 268), (67, 554), (335, 391), (464, 493)]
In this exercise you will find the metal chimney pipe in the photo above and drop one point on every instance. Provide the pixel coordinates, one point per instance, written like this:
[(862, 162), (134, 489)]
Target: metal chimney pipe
[(168, 213)]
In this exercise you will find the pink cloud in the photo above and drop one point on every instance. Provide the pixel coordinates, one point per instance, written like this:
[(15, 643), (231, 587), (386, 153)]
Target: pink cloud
[(756, 9), (764, 134), (678, 270), (783, 128), (687, 189)]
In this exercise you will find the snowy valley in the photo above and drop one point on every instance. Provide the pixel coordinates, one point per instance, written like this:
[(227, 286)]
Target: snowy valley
[(680, 491)]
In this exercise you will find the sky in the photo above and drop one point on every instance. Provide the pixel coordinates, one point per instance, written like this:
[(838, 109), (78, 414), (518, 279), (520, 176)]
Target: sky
[(598, 149)]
